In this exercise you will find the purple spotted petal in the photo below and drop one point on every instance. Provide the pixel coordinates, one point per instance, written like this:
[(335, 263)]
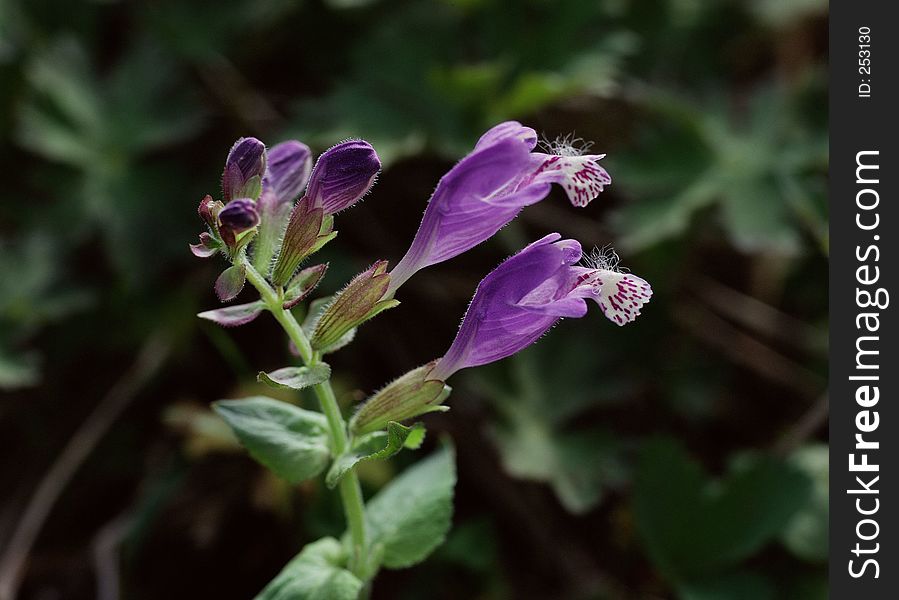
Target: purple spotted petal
[(525, 295), (289, 166), (342, 175)]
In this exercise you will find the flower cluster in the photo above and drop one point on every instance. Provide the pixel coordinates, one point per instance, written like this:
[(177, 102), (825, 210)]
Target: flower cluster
[(261, 224), (277, 209), (512, 307)]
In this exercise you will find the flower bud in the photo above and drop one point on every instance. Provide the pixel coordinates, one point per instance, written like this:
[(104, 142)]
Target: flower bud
[(300, 238), (359, 301), (289, 165), (244, 169), (209, 210), (409, 396), (342, 175), (239, 215)]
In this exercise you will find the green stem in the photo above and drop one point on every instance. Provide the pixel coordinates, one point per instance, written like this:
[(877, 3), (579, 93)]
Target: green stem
[(350, 490)]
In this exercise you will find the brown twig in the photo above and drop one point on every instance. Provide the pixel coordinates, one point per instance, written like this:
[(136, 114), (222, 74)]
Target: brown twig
[(803, 429), (746, 350), (152, 356), (106, 556), (760, 316)]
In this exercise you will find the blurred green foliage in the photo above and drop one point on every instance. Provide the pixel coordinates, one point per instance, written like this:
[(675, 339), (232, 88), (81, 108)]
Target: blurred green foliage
[(115, 118)]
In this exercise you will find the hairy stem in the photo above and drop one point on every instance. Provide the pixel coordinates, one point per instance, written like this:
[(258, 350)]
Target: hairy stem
[(350, 490)]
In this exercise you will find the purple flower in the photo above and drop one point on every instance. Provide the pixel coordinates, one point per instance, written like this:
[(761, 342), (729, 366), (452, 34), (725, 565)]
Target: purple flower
[(342, 175), (490, 186), (245, 161), (289, 165), (528, 293)]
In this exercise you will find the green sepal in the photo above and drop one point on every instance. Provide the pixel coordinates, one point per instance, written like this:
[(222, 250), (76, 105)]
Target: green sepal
[(406, 397), (316, 573), (320, 242), (316, 309), (252, 188), (291, 442), (303, 284), (243, 240), (378, 445), (379, 308), (360, 300), (300, 236), (327, 225), (296, 378)]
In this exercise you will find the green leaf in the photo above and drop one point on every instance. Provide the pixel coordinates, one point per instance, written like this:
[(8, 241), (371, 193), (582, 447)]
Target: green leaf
[(412, 515), (316, 573), (290, 441), (296, 378), (806, 535), (692, 526), (377, 445), (230, 282)]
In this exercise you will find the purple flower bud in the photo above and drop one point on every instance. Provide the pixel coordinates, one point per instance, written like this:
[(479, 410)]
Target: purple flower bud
[(528, 293), (489, 187), (245, 161), (239, 215), (342, 175), (208, 210), (289, 165)]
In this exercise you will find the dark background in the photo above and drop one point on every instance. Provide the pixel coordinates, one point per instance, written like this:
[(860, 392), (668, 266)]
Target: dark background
[(681, 456)]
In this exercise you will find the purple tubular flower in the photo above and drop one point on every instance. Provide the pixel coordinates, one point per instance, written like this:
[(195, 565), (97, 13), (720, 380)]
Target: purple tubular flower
[(342, 175), (528, 293), (289, 166), (239, 215), (489, 187), (245, 161)]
